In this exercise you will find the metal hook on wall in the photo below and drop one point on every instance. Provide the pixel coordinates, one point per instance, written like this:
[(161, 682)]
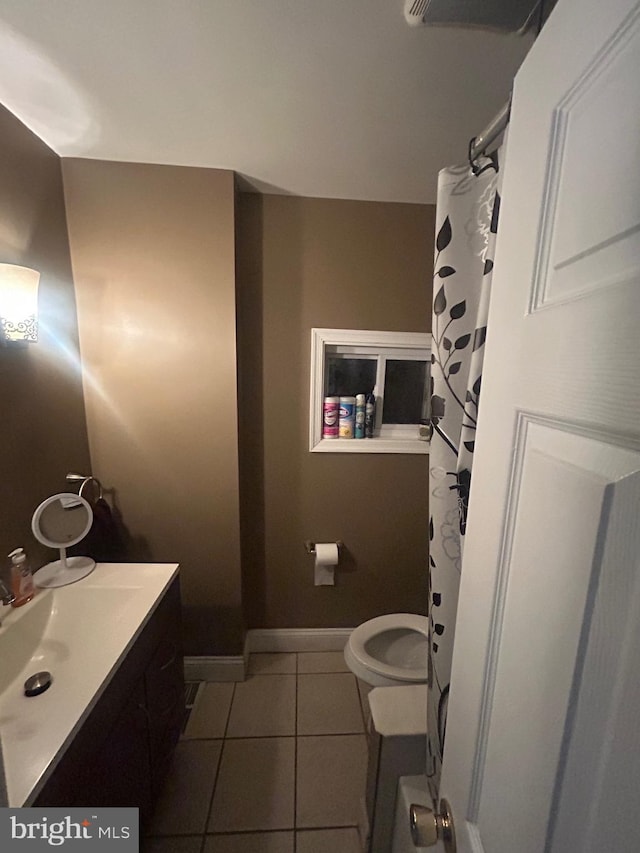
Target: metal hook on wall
[(84, 480)]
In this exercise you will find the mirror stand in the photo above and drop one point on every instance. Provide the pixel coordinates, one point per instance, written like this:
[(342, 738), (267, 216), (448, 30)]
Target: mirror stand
[(64, 571), (59, 522)]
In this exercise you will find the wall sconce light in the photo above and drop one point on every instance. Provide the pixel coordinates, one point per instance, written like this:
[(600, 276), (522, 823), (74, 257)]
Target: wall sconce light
[(19, 303)]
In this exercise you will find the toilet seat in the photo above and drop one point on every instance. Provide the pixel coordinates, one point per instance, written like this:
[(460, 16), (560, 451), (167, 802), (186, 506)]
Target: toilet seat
[(390, 650)]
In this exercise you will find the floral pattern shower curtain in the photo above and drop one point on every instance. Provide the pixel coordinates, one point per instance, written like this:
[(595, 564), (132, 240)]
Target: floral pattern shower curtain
[(466, 226)]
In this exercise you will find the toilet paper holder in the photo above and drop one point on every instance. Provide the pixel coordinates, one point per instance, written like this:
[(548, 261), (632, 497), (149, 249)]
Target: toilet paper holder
[(311, 546)]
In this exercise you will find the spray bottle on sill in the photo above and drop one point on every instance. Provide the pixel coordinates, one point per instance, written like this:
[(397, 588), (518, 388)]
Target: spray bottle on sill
[(22, 584), (360, 415), (370, 414)]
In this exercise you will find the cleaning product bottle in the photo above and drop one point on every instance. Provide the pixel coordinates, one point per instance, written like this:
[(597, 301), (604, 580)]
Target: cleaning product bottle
[(359, 430), (22, 584), (370, 414), (347, 417), (330, 416)]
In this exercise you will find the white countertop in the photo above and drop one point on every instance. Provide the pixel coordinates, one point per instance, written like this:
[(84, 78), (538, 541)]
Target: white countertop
[(86, 629)]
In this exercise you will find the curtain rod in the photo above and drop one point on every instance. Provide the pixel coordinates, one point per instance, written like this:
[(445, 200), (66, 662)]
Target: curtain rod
[(479, 144)]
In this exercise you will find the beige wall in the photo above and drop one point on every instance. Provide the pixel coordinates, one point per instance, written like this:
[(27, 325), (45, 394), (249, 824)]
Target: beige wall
[(153, 258), (305, 263), (153, 254), (42, 425)]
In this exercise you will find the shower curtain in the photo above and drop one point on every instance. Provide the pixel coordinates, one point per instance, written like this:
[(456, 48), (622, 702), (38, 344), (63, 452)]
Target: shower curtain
[(466, 225)]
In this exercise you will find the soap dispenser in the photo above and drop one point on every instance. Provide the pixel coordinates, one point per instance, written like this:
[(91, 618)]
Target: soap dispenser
[(22, 584)]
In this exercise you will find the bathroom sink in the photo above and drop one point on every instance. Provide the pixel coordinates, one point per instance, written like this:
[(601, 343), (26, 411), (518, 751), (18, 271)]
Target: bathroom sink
[(78, 633), (46, 631), (21, 636)]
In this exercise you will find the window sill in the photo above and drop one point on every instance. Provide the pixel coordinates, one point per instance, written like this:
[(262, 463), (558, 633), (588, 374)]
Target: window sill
[(370, 445), (390, 438)]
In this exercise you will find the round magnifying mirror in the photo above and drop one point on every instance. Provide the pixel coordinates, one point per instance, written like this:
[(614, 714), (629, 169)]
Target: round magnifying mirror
[(59, 522)]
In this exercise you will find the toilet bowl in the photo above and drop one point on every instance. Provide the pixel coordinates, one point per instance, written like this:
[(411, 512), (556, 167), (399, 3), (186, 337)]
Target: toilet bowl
[(389, 650)]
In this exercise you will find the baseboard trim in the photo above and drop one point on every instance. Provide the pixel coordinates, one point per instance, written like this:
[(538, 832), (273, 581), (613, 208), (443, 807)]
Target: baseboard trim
[(235, 667), (297, 639), (215, 668)]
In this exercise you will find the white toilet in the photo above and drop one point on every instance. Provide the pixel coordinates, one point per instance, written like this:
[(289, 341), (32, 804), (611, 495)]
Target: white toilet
[(389, 651)]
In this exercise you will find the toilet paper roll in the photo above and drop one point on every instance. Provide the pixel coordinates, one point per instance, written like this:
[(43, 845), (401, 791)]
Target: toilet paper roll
[(326, 560)]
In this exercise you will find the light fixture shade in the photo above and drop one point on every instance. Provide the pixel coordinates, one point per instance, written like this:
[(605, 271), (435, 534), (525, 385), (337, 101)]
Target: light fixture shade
[(19, 302)]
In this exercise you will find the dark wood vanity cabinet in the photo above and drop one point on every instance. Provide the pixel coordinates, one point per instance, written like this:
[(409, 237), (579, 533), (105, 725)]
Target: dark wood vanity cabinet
[(121, 753)]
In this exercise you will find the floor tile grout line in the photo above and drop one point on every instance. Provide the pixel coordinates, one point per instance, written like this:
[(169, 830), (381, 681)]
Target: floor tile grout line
[(295, 765), (277, 737), (240, 832), (252, 675), (226, 726), (215, 782), (217, 774), (213, 793), (271, 830)]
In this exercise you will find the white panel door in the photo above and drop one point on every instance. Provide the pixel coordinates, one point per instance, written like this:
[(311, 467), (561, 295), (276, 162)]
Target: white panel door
[(543, 738)]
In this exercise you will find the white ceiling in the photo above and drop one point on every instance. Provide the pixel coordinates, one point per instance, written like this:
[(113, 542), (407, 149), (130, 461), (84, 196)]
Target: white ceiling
[(327, 98)]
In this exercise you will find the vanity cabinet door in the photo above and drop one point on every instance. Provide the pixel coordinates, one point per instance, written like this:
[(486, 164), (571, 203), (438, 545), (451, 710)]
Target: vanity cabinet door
[(114, 773), (164, 689), (121, 753), (120, 770)]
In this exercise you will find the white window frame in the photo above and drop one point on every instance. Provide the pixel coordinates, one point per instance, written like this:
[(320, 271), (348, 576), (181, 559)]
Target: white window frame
[(398, 438)]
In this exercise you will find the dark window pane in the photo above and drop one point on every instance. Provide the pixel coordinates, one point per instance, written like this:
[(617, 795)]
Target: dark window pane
[(347, 377), (404, 391)]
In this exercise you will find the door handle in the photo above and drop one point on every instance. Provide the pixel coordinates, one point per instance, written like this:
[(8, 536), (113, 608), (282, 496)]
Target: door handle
[(429, 827)]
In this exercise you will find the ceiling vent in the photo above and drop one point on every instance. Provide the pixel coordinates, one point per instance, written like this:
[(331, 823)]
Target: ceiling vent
[(512, 16)]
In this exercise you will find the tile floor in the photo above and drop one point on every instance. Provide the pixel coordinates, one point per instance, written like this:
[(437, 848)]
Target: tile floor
[(274, 764)]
